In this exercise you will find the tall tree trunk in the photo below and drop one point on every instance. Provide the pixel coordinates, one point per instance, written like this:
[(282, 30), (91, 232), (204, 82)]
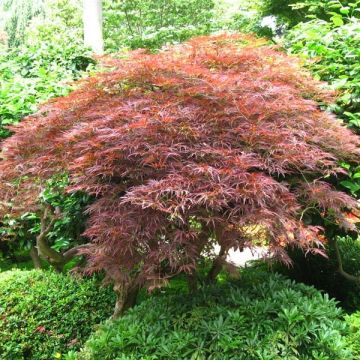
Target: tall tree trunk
[(35, 258), (93, 29)]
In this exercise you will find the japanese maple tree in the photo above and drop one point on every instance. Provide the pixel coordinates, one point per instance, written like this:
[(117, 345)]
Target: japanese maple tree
[(219, 140)]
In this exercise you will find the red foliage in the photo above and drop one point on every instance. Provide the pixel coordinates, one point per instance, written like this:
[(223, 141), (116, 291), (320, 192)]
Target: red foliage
[(197, 143)]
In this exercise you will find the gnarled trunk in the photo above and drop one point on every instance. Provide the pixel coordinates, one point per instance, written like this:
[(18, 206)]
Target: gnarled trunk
[(44, 250), (125, 298)]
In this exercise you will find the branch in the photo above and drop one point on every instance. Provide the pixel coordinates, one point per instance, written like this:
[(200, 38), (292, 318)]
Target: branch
[(43, 247), (340, 268), (71, 253), (46, 251), (45, 229)]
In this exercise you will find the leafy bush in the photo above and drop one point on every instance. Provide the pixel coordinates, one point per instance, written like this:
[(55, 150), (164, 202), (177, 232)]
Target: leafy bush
[(42, 313), (244, 16), (292, 12), (47, 55), (50, 20), (335, 56), (127, 23), (33, 74), (331, 50), (261, 317)]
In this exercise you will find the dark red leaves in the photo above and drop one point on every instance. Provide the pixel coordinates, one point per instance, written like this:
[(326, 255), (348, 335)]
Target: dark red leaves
[(197, 144)]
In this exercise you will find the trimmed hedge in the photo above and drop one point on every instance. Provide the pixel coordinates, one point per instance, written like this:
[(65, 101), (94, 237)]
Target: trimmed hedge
[(43, 314), (261, 317)]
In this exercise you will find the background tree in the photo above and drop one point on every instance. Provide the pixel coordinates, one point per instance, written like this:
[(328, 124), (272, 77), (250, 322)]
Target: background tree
[(93, 28), (154, 23), (15, 17)]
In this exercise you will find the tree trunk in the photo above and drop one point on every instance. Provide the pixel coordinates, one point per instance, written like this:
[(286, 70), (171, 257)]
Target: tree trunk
[(217, 265), (93, 32), (44, 250), (192, 282), (35, 258), (125, 299)]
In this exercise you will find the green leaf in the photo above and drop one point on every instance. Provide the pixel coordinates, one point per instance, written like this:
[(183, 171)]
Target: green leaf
[(337, 20), (353, 187)]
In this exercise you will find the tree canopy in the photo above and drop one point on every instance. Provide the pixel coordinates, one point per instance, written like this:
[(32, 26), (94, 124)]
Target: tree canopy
[(220, 139)]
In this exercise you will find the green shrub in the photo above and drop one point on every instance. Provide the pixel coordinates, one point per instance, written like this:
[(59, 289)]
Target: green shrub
[(127, 23), (33, 74), (15, 16), (246, 16), (48, 55), (43, 313), (292, 12), (263, 316), (330, 49), (334, 57)]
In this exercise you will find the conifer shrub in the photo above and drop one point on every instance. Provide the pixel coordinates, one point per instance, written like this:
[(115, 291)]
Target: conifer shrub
[(262, 316), (44, 314), (219, 140)]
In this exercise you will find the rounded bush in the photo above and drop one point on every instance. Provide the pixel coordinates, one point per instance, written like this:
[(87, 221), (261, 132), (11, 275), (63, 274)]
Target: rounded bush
[(261, 317), (44, 314)]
